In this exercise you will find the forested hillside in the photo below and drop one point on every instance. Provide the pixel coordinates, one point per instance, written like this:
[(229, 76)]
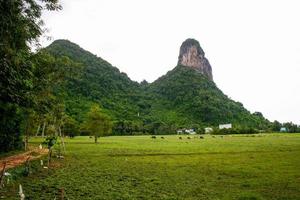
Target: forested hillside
[(181, 98), (98, 82), (197, 100)]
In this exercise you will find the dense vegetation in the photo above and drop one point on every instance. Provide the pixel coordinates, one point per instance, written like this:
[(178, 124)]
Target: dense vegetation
[(187, 92), (99, 83)]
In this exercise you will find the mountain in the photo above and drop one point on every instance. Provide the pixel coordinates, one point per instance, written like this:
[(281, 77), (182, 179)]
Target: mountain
[(192, 55), (195, 99), (99, 83), (185, 97), (187, 94)]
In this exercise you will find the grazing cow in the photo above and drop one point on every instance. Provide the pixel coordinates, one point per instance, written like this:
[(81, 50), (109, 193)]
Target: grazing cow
[(180, 138), (153, 137), (188, 138), (162, 137), (201, 137)]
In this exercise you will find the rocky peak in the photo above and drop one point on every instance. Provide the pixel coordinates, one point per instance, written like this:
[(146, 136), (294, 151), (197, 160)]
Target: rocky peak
[(192, 55)]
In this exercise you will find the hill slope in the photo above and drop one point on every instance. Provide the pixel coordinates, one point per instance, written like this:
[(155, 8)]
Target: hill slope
[(197, 99), (99, 82)]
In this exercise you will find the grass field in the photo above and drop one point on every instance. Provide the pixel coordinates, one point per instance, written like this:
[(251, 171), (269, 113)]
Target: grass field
[(242, 167)]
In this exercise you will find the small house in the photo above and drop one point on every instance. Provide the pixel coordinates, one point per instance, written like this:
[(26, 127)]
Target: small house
[(190, 131), (227, 126), (186, 131), (283, 129), (208, 130)]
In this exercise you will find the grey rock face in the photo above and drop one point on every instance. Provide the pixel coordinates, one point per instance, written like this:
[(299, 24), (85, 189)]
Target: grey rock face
[(192, 55)]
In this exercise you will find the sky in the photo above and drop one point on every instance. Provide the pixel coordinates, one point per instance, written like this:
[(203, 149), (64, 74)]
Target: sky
[(253, 46)]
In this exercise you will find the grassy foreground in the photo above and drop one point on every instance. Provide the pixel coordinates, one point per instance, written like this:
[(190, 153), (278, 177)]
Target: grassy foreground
[(243, 167)]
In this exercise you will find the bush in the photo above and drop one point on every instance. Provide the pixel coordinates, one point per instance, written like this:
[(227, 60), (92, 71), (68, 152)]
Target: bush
[(243, 130), (200, 131)]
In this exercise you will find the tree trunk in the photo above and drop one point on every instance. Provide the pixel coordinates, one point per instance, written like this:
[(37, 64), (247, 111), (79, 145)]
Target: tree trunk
[(43, 131), (26, 136), (49, 156), (55, 127), (26, 143), (38, 130), (62, 139)]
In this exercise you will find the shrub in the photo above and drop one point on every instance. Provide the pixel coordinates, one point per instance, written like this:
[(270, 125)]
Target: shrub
[(200, 131), (244, 130)]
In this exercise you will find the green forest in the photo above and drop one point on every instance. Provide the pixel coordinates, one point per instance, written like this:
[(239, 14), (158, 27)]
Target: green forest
[(64, 90)]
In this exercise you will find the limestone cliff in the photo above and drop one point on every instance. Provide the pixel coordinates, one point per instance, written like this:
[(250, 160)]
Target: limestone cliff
[(192, 55)]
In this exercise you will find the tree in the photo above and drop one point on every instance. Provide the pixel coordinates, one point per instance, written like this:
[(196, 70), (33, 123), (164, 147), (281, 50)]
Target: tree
[(291, 127), (98, 123), (276, 125), (20, 28), (71, 127)]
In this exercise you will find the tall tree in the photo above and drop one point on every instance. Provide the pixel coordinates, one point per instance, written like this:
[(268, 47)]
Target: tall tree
[(276, 125)]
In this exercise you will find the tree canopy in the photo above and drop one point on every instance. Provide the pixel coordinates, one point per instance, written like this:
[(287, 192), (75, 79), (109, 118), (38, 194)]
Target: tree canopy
[(97, 122)]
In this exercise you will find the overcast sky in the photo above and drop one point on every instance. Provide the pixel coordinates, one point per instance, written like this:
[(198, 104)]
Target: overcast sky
[(253, 46)]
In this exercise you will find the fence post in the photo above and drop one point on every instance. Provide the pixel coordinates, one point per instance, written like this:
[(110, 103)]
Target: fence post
[(62, 193), (22, 195)]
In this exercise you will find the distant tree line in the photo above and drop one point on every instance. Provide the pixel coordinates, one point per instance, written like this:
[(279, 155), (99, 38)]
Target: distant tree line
[(290, 127)]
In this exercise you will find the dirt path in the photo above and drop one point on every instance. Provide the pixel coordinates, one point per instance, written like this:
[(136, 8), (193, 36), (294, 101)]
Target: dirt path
[(19, 159)]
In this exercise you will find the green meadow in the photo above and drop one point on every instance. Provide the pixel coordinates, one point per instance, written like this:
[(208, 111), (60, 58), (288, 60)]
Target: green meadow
[(242, 167)]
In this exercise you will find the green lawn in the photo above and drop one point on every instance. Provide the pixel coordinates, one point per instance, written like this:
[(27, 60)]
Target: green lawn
[(243, 167)]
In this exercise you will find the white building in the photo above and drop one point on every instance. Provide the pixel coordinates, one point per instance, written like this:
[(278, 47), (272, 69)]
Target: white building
[(283, 129), (187, 131), (190, 131), (208, 130), (227, 126)]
